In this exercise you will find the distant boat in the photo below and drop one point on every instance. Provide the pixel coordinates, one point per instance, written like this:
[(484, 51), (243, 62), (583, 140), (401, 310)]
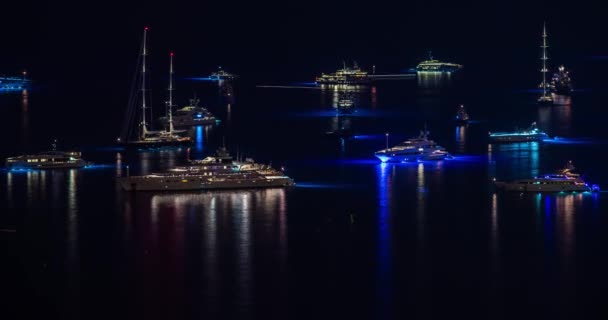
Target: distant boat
[(432, 65), (221, 74), (346, 75), (462, 117), (190, 116), (527, 135), (14, 83), (145, 137), (546, 97), (561, 82)]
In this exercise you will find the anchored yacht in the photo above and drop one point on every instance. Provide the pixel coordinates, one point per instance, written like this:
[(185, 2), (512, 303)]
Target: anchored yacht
[(215, 172), (414, 149), (562, 181)]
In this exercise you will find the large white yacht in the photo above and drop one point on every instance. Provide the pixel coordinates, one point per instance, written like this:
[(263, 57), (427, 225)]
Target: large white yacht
[(215, 172), (562, 181), (414, 149)]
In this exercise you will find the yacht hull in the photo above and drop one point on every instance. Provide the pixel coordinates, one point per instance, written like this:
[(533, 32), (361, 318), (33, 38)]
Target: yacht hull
[(189, 184), (541, 187)]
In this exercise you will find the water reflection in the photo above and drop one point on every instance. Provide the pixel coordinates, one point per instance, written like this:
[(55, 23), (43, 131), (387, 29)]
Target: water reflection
[(72, 219), (433, 82), (25, 118), (226, 88), (374, 98), (521, 159), (385, 198), (420, 197), (556, 119), (461, 138), (224, 223)]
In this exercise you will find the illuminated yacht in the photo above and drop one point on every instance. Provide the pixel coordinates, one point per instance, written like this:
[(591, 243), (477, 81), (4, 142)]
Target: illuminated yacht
[(432, 65), (14, 83), (530, 134), (346, 75), (216, 172), (561, 83), (562, 181), (221, 74), (414, 149), (462, 117), (47, 160), (191, 115)]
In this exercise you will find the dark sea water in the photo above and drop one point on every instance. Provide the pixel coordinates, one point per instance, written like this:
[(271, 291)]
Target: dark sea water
[(354, 239)]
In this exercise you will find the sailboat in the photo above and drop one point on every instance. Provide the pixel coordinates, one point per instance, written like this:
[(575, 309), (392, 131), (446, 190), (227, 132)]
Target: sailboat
[(146, 138), (546, 98)]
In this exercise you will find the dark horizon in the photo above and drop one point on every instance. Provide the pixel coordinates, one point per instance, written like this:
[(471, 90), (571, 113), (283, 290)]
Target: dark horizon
[(305, 38)]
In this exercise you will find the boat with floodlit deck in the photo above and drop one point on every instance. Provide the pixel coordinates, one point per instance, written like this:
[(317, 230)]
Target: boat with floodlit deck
[(346, 75), (415, 149), (527, 135), (562, 181), (432, 65), (561, 82), (47, 160), (215, 172)]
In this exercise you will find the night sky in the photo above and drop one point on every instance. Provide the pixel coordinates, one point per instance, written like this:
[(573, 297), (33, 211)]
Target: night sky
[(289, 40)]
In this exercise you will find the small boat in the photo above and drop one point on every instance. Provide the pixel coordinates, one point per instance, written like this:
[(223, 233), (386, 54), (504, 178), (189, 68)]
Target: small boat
[(462, 117), (562, 181), (527, 135), (47, 160), (221, 74), (190, 116), (432, 65)]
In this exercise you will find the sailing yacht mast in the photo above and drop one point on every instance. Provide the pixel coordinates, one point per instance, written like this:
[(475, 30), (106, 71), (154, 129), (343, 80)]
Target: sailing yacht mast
[(544, 59), (144, 129), (170, 103)]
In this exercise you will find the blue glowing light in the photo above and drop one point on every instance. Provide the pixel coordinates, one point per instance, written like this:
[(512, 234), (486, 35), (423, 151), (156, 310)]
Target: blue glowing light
[(202, 79), (198, 115)]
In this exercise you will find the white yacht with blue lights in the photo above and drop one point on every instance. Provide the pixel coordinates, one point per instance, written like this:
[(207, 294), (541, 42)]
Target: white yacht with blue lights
[(414, 149), (562, 181), (527, 135)]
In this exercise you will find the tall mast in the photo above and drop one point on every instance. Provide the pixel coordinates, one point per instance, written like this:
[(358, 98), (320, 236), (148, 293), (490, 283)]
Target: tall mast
[(544, 59), (144, 53), (170, 103)]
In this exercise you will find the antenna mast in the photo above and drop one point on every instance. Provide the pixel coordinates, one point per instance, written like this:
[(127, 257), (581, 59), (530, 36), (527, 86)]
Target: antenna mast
[(170, 103), (144, 53), (544, 59)]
